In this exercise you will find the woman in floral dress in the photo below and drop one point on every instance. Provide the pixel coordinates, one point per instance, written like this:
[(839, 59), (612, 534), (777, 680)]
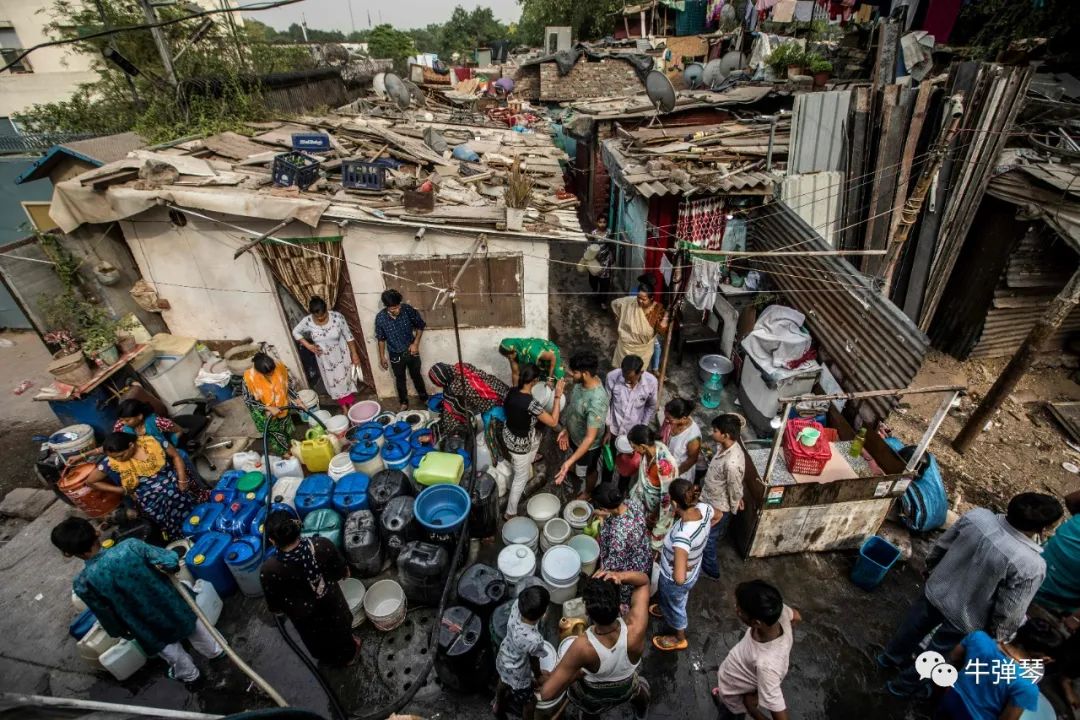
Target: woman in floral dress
[(624, 534), (658, 469), (326, 334), (152, 473)]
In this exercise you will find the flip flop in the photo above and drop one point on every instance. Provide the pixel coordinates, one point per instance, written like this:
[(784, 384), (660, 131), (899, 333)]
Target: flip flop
[(658, 643), (654, 610)]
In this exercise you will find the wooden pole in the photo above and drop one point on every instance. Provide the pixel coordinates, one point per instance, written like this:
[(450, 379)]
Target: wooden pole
[(673, 314), (913, 205), (159, 40), (1044, 329)]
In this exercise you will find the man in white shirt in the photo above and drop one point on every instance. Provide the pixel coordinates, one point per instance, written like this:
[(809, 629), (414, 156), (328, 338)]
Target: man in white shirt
[(722, 486)]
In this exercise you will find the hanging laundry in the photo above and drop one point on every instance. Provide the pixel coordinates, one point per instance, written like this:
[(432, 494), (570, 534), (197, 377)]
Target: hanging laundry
[(705, 278), (702, 223)]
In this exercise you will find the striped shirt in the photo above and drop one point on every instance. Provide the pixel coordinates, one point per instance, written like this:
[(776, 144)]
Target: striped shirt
[(984, 574), (690, 536)]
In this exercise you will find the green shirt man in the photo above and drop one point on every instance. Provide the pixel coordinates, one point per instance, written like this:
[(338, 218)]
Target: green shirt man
[(538, 351)]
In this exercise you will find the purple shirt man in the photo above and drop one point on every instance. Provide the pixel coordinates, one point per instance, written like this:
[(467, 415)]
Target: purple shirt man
[(633, 396)]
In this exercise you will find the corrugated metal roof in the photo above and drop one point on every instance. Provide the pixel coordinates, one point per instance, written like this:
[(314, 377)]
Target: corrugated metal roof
[(691, 181), (816, 198), (818, 130), (867, 342)]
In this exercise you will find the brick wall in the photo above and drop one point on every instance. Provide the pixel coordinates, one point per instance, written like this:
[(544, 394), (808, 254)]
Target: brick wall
[(589, 80)]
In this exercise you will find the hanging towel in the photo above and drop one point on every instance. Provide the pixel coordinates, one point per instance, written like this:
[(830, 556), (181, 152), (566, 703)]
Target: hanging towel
[(704, 280)]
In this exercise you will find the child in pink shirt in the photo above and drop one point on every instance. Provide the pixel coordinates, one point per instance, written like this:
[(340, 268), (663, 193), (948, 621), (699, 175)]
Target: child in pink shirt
[(749, 678)]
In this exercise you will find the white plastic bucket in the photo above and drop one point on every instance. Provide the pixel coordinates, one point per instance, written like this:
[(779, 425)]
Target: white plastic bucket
[(340, 466), (542, 507), (577, 514), (588, 550), (561, 568), (384, 604), (72, 440), (363, 411), (354, 593), (338, 425), (564, 646), (308, 399), (123, 659), (556, 532), (521, 531), (323, 415), (516, 562), (548, 661)]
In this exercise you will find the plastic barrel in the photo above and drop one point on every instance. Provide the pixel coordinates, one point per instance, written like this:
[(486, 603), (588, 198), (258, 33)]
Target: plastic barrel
[(876, 556)]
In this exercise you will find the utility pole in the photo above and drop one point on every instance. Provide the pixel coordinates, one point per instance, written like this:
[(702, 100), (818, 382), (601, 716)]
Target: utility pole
[(1044, 329), (352, 20), (159, 40), (112, 43)]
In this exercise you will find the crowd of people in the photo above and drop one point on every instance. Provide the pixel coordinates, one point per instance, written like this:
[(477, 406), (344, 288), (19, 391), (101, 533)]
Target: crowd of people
[(665, 494)]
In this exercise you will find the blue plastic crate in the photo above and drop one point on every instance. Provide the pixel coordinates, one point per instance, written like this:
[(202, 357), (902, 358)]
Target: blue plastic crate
[(363, 175), (294, 168), (311, 142)]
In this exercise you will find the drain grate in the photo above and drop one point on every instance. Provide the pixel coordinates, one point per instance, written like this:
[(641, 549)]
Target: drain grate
[(403, 652)]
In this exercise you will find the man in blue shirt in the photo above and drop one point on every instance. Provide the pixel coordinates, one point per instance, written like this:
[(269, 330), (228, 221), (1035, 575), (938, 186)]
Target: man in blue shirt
[(398, 328), (995, 679)]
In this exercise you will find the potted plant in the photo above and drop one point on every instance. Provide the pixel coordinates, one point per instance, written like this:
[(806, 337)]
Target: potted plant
[(789, 58), (517, 195), (106, 273), (820, 68), (99, 343)]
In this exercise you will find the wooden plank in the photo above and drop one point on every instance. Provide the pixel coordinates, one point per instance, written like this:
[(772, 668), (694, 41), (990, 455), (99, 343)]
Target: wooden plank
[(854, 208), (884, 178), (1068, 415)]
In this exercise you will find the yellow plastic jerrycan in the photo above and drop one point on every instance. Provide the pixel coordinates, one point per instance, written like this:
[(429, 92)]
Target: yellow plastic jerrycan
[(316, 452)]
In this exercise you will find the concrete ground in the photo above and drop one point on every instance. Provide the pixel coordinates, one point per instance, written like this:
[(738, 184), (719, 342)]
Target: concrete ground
[(22, 417)]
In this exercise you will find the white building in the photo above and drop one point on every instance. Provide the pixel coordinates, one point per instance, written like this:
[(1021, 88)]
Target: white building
[(44, 76), (52, 73), (346, 247)]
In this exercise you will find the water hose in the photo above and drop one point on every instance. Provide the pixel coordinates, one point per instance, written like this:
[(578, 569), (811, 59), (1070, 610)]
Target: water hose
[(244, 667)]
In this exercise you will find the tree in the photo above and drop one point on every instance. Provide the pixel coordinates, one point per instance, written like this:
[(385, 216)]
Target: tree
[(156, 110), (386, 42), (588, 19)]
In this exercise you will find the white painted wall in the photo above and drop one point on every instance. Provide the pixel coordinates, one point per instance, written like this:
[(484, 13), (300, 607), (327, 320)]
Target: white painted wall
[(213, 297), (56, 70), (363, 246)]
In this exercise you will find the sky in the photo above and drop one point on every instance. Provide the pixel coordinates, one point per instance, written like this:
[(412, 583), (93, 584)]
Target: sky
[(403, 14)]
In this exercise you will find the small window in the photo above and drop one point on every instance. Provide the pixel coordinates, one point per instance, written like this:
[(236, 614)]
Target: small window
[(7, 55)]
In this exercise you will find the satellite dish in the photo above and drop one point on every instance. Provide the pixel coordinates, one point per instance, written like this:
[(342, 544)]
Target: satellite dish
[(660, 91), (692, 75), (733, 60), (416, 93), (378, 84), (397, 91), (713, 74)]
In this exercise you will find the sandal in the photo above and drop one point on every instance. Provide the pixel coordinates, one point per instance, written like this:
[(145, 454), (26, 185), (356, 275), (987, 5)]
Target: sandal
[(654, 610), (669, 643)]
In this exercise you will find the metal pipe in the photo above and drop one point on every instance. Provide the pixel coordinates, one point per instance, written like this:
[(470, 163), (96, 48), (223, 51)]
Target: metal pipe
[(39, 701), (774, 453), (239, 662)]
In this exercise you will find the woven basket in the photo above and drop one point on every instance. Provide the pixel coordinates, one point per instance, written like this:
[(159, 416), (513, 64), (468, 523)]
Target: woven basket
[(71, 369)]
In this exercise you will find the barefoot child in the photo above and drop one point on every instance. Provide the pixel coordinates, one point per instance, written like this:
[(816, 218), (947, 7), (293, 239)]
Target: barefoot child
[(750, 676), (518, 661)]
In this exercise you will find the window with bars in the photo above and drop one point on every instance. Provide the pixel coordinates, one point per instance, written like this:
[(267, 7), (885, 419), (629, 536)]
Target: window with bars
[(490, 291)]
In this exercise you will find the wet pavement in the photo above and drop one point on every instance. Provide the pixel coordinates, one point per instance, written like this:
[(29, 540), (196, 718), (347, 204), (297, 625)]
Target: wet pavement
[(832, 675)]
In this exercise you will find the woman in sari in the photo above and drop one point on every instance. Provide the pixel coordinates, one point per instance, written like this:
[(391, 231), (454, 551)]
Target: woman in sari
[(267, 390), (640, 320), (136, 417), (658, 469), (468, 391), (152, 473)]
